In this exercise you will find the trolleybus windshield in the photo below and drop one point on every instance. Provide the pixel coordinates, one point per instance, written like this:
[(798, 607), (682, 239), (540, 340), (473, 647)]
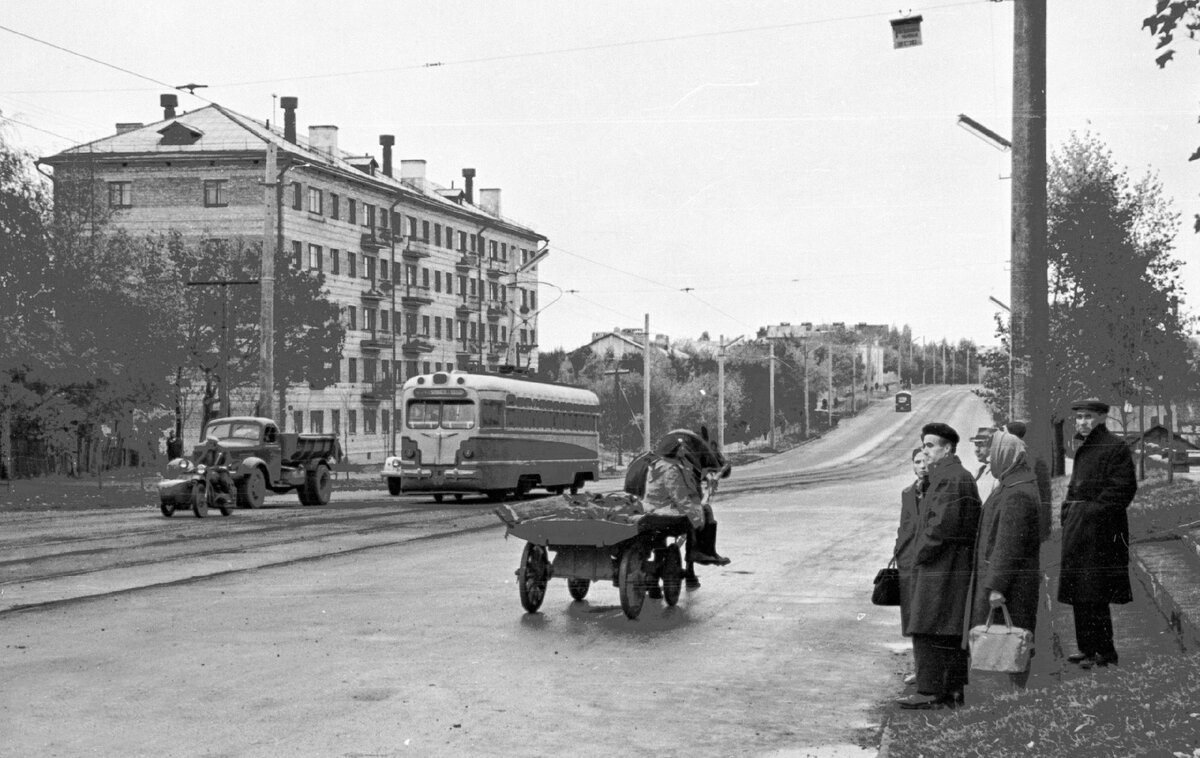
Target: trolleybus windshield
[(448, 414)]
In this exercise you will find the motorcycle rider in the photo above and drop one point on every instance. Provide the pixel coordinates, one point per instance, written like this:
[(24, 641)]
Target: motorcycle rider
[(216, 463)]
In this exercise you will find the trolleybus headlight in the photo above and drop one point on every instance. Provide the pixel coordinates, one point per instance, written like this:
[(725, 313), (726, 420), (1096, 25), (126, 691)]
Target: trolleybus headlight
[(410, 453), (201, 469), (468, 453)]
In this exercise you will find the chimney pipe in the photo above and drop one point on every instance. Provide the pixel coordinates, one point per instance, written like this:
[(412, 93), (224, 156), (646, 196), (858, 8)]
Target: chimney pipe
[(168, 103), (469, 177), (387, 140), (289, 117)]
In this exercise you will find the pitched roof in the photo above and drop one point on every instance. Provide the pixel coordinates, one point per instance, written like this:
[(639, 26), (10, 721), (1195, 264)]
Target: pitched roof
[(217, 129)]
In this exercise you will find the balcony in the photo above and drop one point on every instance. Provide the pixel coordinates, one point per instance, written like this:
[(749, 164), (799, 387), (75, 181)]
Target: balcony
[(466, 307), (375, 341), (414, 296), (468, 262), (497, 269), (376, 240), (417, 346), (380, 390), (496, 309), (415, 250), (375, 294)]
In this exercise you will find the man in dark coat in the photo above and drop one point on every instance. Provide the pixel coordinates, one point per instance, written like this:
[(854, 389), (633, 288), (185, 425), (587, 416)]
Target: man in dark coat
[(941, 581), (906, 534), (1095, 543)]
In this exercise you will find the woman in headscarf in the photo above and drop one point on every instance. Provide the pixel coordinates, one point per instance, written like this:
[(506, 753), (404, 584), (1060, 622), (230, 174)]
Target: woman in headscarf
[(1007, 569)]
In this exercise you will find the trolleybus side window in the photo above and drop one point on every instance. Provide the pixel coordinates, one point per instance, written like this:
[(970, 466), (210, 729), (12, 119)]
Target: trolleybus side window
[(491, 414)]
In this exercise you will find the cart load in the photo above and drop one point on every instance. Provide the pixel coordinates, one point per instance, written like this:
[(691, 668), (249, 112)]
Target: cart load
[(597, 537)]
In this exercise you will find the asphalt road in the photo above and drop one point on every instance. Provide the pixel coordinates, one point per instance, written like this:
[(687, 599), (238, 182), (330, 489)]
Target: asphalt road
[(387, 627)]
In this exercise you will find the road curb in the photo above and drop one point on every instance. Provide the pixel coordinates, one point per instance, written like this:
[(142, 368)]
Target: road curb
[(1164, 570)]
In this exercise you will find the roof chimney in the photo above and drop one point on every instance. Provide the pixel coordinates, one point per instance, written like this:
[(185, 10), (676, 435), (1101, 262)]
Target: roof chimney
[(289, 117), (323, 139), (489, 200), (469, 176), (413, 171), (386, 141), (168, 103), (128, 126)]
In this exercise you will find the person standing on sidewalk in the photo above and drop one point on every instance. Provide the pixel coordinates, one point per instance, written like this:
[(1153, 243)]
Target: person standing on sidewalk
[(1006, 553), (1095, 534), (1041, 472), (941, 582), (906, 535), (985, 478)]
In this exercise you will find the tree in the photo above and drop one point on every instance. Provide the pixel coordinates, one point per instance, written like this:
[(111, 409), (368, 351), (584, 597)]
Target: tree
[(1169, 18)]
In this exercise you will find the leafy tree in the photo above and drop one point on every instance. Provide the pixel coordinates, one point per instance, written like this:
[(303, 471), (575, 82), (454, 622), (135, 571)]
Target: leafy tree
[(1170, 18)]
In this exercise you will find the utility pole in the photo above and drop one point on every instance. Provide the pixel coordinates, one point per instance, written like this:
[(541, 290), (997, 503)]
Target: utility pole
[(1030, 328), (225, 377), (771, 384), (721, 389), (829, 356), (646, 385), (266, 327), (804, 401), (616, 375)]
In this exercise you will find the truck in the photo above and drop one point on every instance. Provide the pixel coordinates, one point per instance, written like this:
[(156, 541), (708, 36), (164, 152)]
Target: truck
[(261, 458)]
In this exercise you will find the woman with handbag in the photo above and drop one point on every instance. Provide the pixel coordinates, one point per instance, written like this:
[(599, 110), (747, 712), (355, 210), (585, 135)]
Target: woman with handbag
[(910, 517), (1007, 570)]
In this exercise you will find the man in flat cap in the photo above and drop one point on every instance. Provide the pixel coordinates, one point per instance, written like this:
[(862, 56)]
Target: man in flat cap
[(943, 555), (985, 482), (1095, 543)]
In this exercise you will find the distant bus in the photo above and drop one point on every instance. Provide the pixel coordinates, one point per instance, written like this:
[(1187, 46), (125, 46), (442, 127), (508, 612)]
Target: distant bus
[(904, 401), (467, 433)]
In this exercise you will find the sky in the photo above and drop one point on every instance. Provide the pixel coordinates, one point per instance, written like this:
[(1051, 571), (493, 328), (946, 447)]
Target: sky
[(718, 166)]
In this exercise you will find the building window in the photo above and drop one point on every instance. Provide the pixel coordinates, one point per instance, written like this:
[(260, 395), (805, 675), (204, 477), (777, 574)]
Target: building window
[(424, 231), (369, 319), (314, 257), (352, 422), (383, 269), (351, 264), (369, 370), (335, 206), (316, 422), (410, 320), (462, 242), (425, 367), (316, 200), (462, 330), (297, 196), (368, 215), (351, 317), (120, 194), (298, 253), (383, 218), (437, 235), (383, 321), (351, 211), (533, 301), (412, 226), (368, 420), (425, 278), (384, 418), (437, 328), (335, 421), (334, 263), (437, 281), (352, 370), (298, 421), (449, 284), (424, 326), (449, 328), (369, 268), (410, 368), (214, 193)]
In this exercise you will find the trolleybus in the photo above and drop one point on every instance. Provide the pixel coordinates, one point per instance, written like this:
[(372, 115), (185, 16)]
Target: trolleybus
[(464, 433)]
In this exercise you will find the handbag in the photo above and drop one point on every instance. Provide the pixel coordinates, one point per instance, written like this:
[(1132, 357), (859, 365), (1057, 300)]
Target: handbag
[(995, 648), (887, 585)]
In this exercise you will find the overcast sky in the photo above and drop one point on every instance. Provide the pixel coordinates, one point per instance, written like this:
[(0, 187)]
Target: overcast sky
[(719, 165)]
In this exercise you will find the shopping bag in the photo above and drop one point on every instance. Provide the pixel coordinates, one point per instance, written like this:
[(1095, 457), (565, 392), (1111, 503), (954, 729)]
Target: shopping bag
[(887, 585), (1000, 648)]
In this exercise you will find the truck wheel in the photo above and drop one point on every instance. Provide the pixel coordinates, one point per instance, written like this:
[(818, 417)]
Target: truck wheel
[(318, 486), (252, 490), (393, 485)]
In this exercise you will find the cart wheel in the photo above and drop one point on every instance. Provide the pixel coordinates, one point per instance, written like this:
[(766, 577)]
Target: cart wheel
[(200, 500), (630, 583), (532, 576), (168, 509), (672, 575), (437, 498), (578, 587), (393, 483)]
